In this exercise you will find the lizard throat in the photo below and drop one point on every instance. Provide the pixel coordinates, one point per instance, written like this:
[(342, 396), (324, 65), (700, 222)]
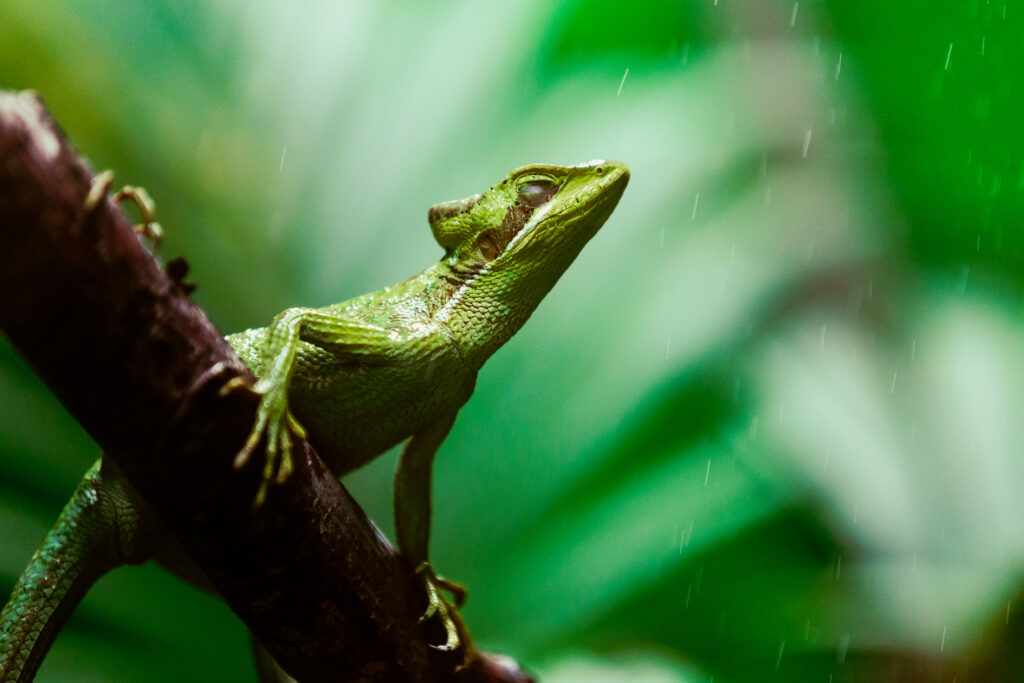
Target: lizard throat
[(445, 312)]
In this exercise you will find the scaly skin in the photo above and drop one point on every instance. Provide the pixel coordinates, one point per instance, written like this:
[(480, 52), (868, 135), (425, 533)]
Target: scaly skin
[(361, 376), (103, 526)]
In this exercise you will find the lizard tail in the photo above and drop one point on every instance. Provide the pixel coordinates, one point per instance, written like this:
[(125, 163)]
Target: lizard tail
[(88, 540)]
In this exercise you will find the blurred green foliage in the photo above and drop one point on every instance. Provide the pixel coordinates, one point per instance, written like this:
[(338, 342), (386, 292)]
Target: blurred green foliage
[(764, 429)]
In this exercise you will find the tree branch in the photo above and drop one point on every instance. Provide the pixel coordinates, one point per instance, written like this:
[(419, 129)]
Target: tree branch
[(138, 364)]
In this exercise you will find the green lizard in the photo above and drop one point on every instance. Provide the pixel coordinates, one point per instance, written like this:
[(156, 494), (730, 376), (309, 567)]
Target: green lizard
[(359, 377)]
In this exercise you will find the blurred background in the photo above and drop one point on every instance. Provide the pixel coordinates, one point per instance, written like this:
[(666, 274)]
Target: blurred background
[(764, 429)]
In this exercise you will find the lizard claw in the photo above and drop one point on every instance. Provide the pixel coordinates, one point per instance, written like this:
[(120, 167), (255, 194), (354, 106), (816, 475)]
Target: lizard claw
[(147, 209), (439, 606), (236, 383), (98, 190), (458, 591)]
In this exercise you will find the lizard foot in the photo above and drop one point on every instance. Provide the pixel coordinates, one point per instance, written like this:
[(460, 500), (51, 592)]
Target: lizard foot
[(275, 425), (439, 606), (147, 207)]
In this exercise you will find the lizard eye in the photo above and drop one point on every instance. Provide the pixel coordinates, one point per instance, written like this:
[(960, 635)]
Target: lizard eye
[(537, 192), (488, 248)]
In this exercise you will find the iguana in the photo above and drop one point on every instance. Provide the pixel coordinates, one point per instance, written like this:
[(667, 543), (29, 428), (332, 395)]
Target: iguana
[(358, 377)]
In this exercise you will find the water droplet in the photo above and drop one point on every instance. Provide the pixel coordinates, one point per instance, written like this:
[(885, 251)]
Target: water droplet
[(622, 82)]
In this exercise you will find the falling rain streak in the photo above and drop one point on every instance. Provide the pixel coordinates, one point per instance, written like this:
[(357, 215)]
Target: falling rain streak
[(622, 82), (684, 537), (844, 645)]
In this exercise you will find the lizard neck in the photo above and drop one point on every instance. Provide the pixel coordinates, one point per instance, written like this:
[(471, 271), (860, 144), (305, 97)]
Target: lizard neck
[(478, 318)]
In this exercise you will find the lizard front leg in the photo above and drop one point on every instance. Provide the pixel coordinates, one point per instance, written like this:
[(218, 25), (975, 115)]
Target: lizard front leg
[(412, 525), (274, 367), (274, 422)]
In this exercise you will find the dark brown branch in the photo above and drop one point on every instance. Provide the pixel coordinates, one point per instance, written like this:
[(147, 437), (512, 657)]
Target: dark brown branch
[(139, 365)]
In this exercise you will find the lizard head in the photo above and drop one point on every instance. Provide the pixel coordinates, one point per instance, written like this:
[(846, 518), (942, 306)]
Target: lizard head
[(507, 247)]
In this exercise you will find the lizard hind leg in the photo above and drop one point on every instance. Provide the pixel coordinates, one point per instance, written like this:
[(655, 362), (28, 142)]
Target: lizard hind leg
[(101, 528)]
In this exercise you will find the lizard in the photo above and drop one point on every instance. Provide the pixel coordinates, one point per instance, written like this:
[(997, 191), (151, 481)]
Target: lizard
[(357, 378)]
